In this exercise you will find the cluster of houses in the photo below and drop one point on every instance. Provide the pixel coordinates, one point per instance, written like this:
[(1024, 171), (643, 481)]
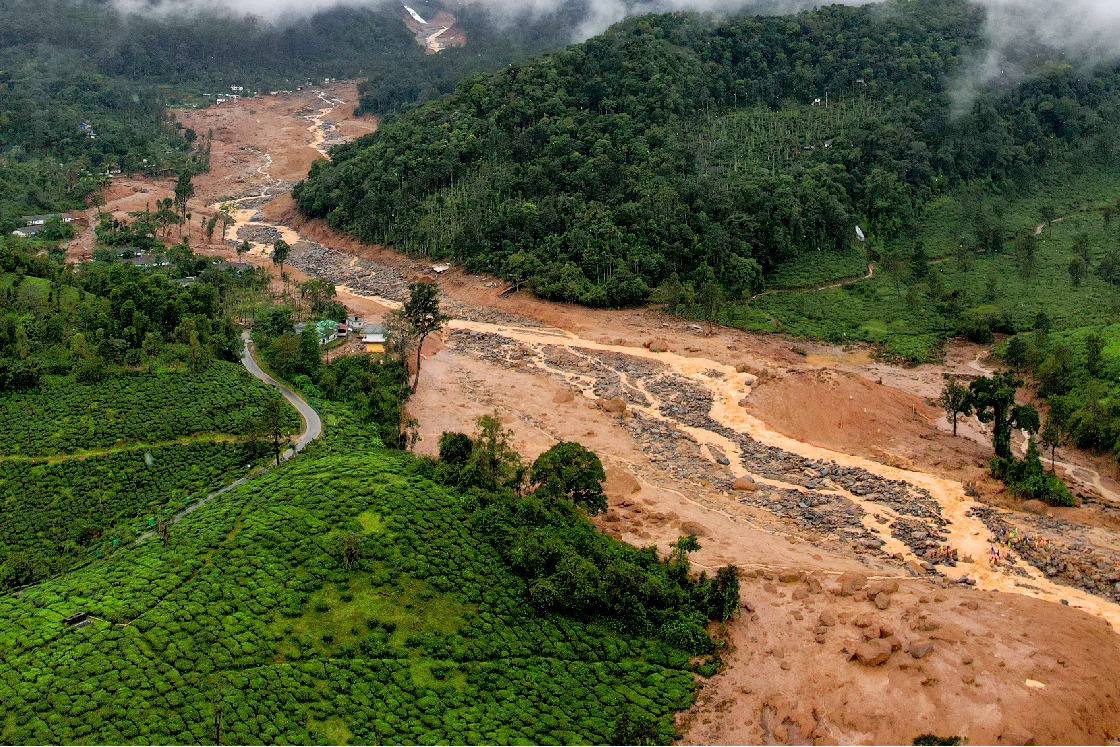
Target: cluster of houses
[(33, 224), (236, 92), (371, 334)]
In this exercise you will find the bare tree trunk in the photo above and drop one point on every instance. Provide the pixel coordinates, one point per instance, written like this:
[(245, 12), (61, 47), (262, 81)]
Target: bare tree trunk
[(416, 380)]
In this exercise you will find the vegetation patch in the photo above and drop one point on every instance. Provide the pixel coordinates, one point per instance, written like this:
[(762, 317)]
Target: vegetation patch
[(430, 635)]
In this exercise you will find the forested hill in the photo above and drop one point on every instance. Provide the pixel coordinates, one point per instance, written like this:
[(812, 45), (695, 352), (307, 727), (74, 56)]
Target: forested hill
[(83, 85), (203, 47), (714, 150)]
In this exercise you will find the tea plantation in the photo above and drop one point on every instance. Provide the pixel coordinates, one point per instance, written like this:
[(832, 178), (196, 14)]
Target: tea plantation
[(84, 464), (64, 416), (252, 625)]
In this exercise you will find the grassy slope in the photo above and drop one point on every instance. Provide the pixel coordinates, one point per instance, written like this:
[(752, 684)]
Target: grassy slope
[(247, 610), (873, 311)]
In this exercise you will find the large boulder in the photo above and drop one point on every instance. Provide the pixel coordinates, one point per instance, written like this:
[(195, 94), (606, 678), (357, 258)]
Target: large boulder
[(745, 484), (873, 653), (850, 583), (616, 405)]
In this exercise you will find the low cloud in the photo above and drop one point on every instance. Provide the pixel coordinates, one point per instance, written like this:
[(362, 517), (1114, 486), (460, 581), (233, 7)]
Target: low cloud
[(1085, 30)]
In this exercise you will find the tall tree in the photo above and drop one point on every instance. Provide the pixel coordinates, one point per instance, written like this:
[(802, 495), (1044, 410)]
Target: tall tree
[(893, 264), (1082, 247), (956, 401), (225, 218), (310, 357), (1077, 270), (317, 292), (184, 191), (280, 251), (97, 200), (272, 423), (569, 470), (494, 463), (994, 401), (1057, 429), (419, 317), (711, 303)]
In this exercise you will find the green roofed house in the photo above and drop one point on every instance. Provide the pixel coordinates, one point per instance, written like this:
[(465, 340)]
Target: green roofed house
[(327, 331)]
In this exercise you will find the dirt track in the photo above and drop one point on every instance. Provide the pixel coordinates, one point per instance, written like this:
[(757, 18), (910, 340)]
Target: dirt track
[(851, 476)]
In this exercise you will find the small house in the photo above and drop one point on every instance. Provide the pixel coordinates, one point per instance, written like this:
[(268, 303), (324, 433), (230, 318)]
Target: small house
[(145, 260), (327, 331), (238, 267), (41, 220), (373, 337)]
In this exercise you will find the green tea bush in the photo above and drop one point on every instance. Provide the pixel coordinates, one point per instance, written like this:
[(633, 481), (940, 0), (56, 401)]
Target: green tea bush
[(447, 651), (135, 407), (56, 513)]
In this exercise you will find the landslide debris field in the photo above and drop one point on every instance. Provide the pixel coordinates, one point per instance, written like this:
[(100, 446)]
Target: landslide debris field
[(828, 477)]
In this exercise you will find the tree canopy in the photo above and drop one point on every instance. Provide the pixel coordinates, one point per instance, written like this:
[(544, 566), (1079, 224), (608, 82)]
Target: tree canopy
[(571, 472), (676, 142)]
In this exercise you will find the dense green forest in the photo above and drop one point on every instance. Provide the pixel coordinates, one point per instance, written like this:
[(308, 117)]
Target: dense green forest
[(63, 130), (709, 150), (84, 92), (196, 50), (88, 321)]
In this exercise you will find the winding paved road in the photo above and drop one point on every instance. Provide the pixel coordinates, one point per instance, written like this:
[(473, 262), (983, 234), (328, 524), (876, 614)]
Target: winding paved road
[(312, 424), (312, 429)]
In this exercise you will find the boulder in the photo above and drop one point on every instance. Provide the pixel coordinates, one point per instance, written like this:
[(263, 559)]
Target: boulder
[(657, 346), (873, 653), (827, 618), (921, 650), (882, 600), (887, 587), (850, 583), (744, 484), (563, 397), (615, 406)]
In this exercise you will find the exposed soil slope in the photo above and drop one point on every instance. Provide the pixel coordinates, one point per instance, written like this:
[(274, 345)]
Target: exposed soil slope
[(848, 476)]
